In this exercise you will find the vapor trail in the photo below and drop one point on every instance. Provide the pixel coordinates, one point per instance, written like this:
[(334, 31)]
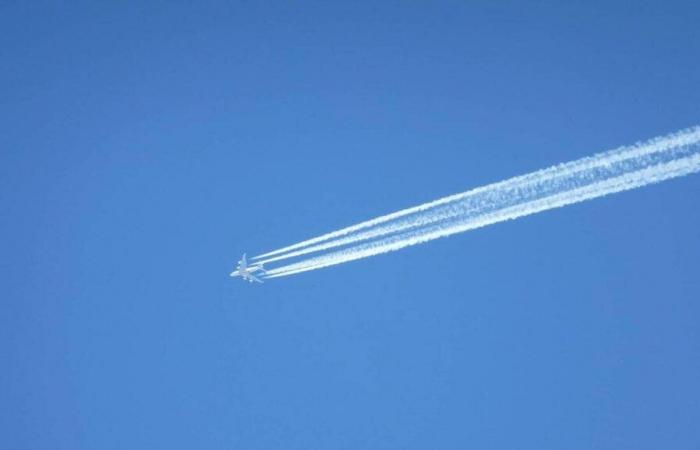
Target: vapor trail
[(614, 171), (437, 210)]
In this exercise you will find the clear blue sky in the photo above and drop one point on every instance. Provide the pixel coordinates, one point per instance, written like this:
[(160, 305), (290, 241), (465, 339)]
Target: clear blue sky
[(145, 146)]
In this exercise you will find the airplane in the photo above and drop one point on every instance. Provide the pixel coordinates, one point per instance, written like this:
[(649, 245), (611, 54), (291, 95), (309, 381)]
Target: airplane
[(246, 272)]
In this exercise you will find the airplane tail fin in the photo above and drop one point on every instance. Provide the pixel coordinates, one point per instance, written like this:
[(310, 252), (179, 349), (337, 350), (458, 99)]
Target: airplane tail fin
[(242, 263)]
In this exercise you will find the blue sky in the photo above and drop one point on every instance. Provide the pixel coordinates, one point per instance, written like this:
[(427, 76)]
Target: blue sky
[(146, 146)]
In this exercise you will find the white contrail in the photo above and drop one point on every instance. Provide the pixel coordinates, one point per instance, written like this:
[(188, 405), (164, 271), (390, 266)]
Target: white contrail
[(614, 171), (442, 209), (625, 182)]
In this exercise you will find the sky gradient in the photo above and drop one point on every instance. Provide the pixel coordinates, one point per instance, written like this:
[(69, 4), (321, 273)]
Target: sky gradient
[(145, 147)]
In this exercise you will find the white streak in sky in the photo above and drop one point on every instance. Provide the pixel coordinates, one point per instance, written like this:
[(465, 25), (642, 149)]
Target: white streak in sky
[(584, 179)]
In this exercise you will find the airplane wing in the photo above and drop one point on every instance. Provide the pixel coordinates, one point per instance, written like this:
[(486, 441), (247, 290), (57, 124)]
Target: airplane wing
[(254, 278)]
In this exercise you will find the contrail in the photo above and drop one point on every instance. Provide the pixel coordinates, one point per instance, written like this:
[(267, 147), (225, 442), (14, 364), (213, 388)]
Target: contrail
[(584, 179), (436, 210), (675, 169)]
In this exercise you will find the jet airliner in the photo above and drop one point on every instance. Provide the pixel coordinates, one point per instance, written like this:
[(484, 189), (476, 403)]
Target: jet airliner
[(246, 272)]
